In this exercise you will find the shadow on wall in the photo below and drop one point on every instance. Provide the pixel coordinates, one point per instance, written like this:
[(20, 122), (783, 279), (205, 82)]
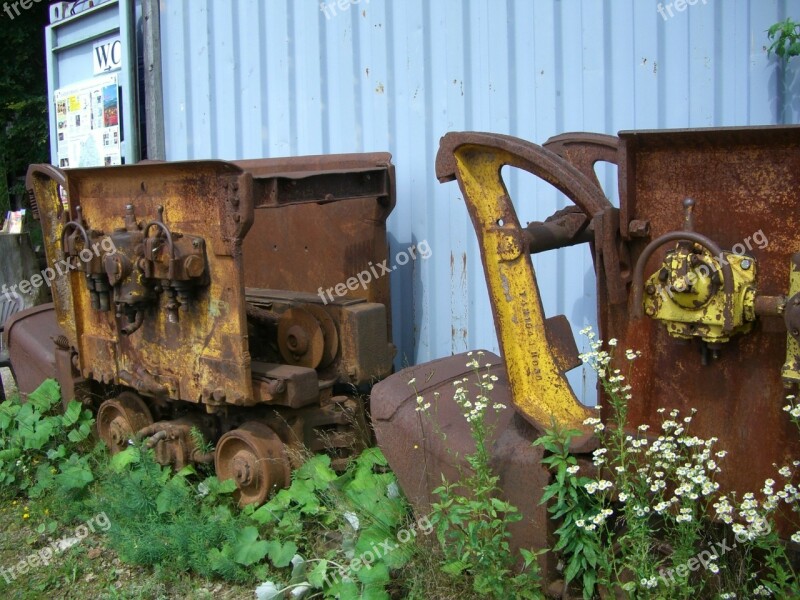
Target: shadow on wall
[(785, 90), (406, 259)]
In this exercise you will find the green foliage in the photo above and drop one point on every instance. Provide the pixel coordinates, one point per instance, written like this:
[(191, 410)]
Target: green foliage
[(569, 504), (41, 449), (471, 521), (163, 518), (659, 516), (347, 522), (23, 98), (186, 523), (787, 43)]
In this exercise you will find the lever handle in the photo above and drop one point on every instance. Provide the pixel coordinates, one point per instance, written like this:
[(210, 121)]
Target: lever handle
[(539, 389)]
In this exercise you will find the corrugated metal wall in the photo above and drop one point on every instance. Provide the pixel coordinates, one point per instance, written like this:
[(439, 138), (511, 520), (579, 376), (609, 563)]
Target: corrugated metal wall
[(260, 78)]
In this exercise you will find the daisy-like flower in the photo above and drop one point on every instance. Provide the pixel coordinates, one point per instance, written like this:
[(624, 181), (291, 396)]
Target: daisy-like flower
[(762, 591), (631, 355), (648, 583)]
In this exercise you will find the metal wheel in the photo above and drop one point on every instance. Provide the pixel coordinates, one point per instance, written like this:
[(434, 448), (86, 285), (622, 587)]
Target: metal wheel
[(301, 338), (120, 418), (254, 456), (329, 331)]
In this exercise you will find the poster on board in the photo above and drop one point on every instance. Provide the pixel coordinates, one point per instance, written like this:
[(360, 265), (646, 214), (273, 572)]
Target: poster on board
[(87, 123)]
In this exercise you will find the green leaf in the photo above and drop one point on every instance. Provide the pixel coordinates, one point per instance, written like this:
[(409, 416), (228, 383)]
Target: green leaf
[(589, 581), (375, 576), (80, 434), (590, 555), (344, 589), (217, 487), (168, 501), (374, 539), (247, 548), (280, 554), (10, 454), (455, 568), (372, 457), (572, 570), (46, 396), (41, 434), (550, 491), (318, 470), (374, 592), (72, 414), (316, 576), (44, 480), (74, 476), (120, 461)]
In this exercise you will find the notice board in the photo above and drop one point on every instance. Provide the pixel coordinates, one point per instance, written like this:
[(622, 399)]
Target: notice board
[(88, 123)]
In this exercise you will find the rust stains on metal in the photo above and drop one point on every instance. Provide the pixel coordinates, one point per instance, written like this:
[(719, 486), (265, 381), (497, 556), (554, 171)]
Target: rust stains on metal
[(197, 288), (745, 182)]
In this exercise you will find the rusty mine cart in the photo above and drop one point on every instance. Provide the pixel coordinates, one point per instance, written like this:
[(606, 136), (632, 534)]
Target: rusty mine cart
[(185, 303)]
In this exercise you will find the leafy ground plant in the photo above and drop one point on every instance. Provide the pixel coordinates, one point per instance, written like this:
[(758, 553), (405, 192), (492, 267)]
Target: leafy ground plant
[(42, 449), (470, 519), (342, 535), (328, 535), (641, 521)]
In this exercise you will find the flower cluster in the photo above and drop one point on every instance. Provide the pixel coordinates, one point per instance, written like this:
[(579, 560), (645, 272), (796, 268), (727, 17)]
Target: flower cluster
[(793, 408), (592, 523), (474, 408)]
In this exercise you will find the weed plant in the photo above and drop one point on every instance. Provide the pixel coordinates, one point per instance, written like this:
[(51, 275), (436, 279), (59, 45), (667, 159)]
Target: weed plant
[(649, 519), (471, 520)]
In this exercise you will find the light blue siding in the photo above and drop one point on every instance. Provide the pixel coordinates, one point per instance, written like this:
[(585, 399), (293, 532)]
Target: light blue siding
[(260, 78)]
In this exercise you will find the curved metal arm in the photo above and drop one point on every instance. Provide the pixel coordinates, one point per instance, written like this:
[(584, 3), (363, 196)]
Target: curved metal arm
[(584, 150), (170, 245), (697, 238), (67, 228), (539, 389), (527, 156)]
